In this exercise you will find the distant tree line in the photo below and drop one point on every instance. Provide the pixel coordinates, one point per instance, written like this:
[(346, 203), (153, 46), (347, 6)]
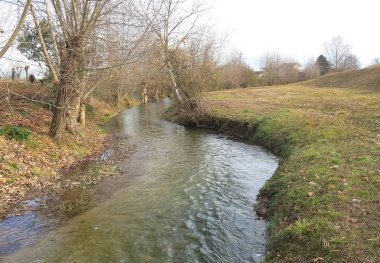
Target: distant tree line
[(278, 70)]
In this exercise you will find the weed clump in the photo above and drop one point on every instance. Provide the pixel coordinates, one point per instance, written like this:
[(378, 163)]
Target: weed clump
[(15, 133)]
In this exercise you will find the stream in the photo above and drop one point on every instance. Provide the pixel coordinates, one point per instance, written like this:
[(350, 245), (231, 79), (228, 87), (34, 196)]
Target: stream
[(187, 196)]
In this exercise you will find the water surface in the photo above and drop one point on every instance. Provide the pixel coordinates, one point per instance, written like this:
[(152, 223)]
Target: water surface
[(187, 196)]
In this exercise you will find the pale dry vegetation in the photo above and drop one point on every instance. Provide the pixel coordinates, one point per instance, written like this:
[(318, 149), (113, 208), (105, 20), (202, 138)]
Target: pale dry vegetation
[(365, 79)]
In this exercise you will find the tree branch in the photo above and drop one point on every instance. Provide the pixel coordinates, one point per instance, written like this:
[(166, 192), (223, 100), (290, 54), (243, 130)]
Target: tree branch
[(17, 29), (44, 48)]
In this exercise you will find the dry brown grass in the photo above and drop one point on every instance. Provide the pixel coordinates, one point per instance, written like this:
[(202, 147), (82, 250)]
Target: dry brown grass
[(367, 78)]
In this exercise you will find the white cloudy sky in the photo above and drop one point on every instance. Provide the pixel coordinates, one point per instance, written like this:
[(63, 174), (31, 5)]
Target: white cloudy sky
[(299, 28)]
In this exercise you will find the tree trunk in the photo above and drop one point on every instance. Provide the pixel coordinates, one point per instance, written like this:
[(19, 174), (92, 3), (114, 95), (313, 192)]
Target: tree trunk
[(118, 95), (145, 96), (82, 113), (13, 74), (156, 95), (70, 88), (73, 114), (58, 124), (52, 33), (65, 115)]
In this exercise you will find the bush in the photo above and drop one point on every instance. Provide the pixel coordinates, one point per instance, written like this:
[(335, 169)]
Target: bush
[(15, 133)]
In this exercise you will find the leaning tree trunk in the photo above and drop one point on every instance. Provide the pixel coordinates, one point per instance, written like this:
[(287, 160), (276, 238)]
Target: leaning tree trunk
[(82, 113), (65, 115), (156, 95), (144, 96), (27, 72)]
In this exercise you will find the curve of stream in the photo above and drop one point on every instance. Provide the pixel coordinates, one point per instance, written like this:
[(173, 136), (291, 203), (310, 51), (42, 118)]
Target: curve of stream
[(187, 197)]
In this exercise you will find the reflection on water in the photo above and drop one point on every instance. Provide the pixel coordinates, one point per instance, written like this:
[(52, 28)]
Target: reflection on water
[(187, 197)]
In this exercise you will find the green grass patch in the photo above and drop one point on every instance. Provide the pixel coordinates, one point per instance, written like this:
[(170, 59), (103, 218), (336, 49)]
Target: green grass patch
[(11, 181), (32, 144), (106, 118), (15, 132), (54, 156), (77, 148), (13, 165)]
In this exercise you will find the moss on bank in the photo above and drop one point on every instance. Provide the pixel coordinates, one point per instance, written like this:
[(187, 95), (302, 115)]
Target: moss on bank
[(323, 202)]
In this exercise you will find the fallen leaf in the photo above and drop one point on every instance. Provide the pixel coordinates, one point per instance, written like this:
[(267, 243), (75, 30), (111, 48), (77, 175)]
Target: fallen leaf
[(312, 183)]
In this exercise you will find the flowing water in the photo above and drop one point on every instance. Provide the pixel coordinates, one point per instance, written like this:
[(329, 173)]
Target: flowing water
[(187, 197)]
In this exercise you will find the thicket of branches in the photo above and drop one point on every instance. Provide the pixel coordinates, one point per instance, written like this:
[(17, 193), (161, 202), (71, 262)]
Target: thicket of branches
[(115, 47)]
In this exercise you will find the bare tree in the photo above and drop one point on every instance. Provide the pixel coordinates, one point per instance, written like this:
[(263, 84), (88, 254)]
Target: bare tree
[(150, 72), (312, 70), (174, 23), (290, 71), (76, 20), (237, 73), (280, 70), (339, 55), (111, 46), (270, 64), (118, 45), (351, 62)]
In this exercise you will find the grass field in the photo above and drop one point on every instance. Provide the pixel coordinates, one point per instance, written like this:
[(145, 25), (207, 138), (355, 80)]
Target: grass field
[(324, 200)]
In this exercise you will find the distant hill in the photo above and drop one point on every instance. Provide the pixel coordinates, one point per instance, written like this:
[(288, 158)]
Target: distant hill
[(367, 78)]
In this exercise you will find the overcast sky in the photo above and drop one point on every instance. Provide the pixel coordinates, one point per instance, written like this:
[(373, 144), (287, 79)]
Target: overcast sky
[(299, 28)]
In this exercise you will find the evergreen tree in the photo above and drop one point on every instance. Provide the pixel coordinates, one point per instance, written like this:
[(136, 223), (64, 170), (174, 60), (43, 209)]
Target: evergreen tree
[(29, 43), (323, 64)]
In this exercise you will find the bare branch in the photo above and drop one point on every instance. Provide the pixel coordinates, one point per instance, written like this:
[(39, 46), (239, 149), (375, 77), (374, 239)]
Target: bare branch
[(17, 29), (47, 56)]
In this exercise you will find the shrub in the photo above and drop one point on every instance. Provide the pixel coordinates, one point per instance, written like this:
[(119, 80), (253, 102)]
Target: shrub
[(15, 133)]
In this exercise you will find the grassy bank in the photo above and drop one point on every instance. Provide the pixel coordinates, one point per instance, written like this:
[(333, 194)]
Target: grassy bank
[(324, 201), (31, 163)]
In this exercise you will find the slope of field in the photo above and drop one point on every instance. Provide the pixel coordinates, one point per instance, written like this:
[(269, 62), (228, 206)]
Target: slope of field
[(324, 201), (367, 78)]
